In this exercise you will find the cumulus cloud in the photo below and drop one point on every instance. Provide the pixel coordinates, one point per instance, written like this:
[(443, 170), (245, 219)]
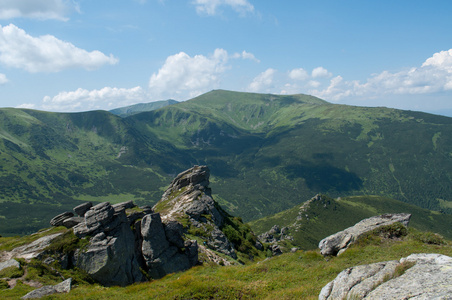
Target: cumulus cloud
[(210, 7), (45, 53), (246, 55), (3, 79), (298, 74), (183, 76), (434, 75), (262, 82), (83, 100), (320, 72), (36, 9)]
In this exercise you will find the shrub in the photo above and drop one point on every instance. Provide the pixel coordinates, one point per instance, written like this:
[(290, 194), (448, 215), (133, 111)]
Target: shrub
[(429, 238), (12, 272)]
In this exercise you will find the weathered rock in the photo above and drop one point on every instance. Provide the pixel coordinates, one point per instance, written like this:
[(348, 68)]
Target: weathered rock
[(161, 256), (276, 250), (429, 278), (110, 259), (97, 219), (9, 263), (220, 243), (81, 209), (174, 231), (71, 222), (123, 206), (337, 243), (59, 219), (63, 287), (35, 249), (146, 209)]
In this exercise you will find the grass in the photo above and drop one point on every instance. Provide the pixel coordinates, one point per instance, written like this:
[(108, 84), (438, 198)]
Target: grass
[(299, 275)]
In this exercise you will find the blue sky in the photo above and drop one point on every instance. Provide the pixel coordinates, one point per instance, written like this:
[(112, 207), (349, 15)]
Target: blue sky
[(78, 55)]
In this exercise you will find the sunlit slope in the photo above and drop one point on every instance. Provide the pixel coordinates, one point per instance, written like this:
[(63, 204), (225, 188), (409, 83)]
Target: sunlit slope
[(266, 153)]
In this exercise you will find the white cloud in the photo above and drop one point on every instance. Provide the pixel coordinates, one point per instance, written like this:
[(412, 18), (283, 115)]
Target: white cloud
[(210, 7), (262, 82), (83, 100), (26, 105), (45, 53), (183, 76), (434, 75), (36, 9), (245, 55), (3, 79), (320, 72), (298, 74)]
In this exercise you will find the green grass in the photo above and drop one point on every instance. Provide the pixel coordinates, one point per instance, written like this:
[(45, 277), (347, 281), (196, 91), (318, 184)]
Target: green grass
[(299, 275)]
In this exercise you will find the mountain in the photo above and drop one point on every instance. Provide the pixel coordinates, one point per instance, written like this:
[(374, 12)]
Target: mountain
[(305, 225), (141, 107), (266, 153)]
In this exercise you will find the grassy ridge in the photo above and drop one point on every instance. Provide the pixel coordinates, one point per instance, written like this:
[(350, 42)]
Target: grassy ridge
[(328, 216)]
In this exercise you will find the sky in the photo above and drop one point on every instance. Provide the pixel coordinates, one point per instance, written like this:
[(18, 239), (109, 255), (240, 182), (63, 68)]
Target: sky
[(79, 55)]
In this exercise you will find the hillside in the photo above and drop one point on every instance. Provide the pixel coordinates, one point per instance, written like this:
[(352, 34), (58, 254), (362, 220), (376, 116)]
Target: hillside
[(267, 153), (141, 107), (321, 216)]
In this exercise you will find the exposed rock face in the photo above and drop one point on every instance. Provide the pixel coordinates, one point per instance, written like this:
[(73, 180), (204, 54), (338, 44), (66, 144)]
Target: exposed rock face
[(116, 253), (429, 278), (58, 220), (35, 249), (63, 287), (337, 243), (126, 244), (81, 209), (9, 263), (189, 196)]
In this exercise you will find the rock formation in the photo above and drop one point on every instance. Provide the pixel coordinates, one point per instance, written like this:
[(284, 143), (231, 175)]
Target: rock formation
[(337, 243), (425, 276), (122, 244), (189, 197), (63, 287)]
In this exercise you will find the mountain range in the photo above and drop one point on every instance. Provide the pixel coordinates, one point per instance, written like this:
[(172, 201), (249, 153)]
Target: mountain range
[(267, 153)]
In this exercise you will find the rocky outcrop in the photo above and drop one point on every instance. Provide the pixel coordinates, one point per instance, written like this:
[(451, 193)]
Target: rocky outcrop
[(35, 249), (59, 219), (189, 196), (9, 263), (121, 244), (337, 243), (63, 287), (418, 276)]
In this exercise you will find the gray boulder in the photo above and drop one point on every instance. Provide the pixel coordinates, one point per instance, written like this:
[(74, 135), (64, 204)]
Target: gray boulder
[(337, 243), (123, 206), (63, 287), (164, 255), (9, 263), (428, 276), (59, 219), (110, 258), (71, 222), (35, 249), (81, 209)]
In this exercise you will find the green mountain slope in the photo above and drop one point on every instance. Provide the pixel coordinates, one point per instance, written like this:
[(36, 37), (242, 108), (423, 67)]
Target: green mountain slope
[(320, 217), (266, 153), (141, 107)]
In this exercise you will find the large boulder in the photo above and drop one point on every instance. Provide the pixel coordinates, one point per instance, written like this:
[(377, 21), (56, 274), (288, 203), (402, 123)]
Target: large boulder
[(337, 243), (426, 276), (163, 248), (59, 219), (63, 287)]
